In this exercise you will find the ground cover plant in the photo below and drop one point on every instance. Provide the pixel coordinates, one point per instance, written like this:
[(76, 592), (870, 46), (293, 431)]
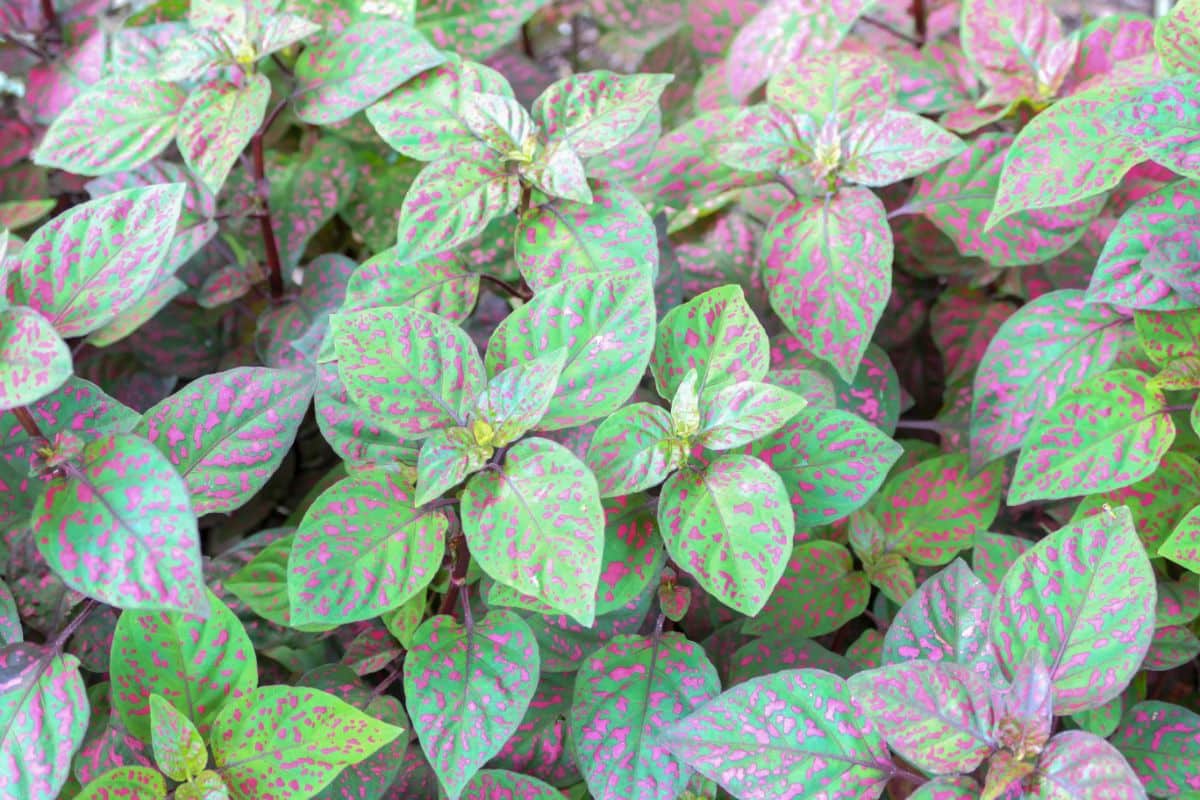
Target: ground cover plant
[(407, 399)]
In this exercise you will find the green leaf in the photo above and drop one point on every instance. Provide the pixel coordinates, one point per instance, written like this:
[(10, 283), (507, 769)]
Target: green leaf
[(441, 285), (227, 433), (946, 620), (474, 28), (1183, 545), (451, 202), (826, 263), (34, 360), (937, 716), (1082, 600), (118, 527), (831, 462), (217, 122), (417, 370), (831, 748), (424, 118), (293, 740), (1160, 120), (490, 784), (446, 459), (116, 125), (743, 412), (634, 449), (468, 689), (626, 693), (729, 525), (501, 123), (208, 785), (1109, 432), (536, 524), (515, 400), (178, 748), (362, 549), (895, 146), (81, 269), (596, 111), (196, 664), (1176, 37), (1167, 335), (43, 718), (558, 172), (262, 583), (129, 783), (604, 322), (819, 592), (1160, 742), (344, 72), (718, 335), (933, 510), (559, 240)]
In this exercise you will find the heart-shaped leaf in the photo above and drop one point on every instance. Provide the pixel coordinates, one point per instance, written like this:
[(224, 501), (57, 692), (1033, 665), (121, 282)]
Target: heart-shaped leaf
[(362, 549), (196, 664), (467, 689), (34, 360), (586, 316), (729, 525), (626, 694), (81, 269), (1082, 599), (116, 125), (416, 369), (937, 716), (43, 718), (1161, 741), (344, 72), (292, 739), (217, 122), (1108, 432), (119, 527), (228, 432), (1047, 347), (536, 525), (826, 263), (831, 749)]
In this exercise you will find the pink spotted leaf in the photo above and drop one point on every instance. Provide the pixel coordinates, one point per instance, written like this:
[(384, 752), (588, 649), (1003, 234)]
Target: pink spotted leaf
[(344, 72), (780, 33), (834, 88), (293, 739), (467, 690), (1104, 43), (515, 400), (362, 548), (198, 665), (945, 621), (1043, 350), (993, 555), (417, 370), (799, 730), (43, 718), (596, 111), (228, 432), (826, 265), (818, 593), (217, 122), (604, 322), (1108, 432), (1160, 120), (560, 240), (446, 458), (830, 461), (933, 510), (489, 784), (307, 189), (1177, 37), (738, 414), (729, 526), (178, 748), (1091, 624), (1161, 742), (958, 787), (116, 125), (537, 526), (473, 28), (1172, 647), (1079, 764), (451, 202), (1183, 545), (1025, 709), (85, 266), (133, 782), (34, 360), (440, 285), (626, 694), (119, 527), (895, 146), (1018, 48), (936, 715), (424, 119), (634, 449)]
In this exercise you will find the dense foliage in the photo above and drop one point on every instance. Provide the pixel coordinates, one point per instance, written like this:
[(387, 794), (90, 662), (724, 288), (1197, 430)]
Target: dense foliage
[(624, 399)]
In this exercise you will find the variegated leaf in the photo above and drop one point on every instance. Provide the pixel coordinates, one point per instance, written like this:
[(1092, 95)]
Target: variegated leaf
[(451, 202), (818, 593), (34, 360), (596, 111), (217, 122)]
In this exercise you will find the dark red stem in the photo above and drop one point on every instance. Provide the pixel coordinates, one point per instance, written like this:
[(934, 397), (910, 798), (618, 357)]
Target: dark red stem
[(521, 292), (263, 188), (920, 22), (50, 14), (72, 626), (460, 559), (28, 423)]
